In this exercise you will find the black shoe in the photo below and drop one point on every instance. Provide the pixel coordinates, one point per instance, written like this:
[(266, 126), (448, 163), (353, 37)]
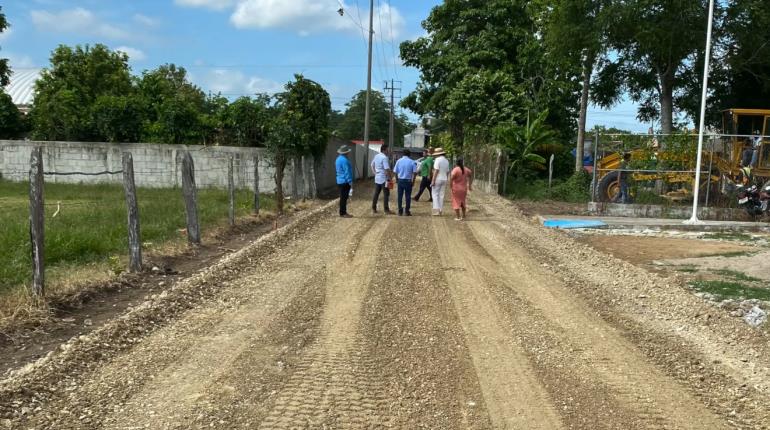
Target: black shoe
[(417, 199), (408, 214), (374, 211), (388, 212), (400, 214)]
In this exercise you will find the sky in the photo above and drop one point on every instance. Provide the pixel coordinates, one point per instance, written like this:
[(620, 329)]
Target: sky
[(241, 47)]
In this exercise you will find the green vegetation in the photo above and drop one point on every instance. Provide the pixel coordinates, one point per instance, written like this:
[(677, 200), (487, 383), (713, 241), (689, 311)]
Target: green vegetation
[(574, 189), (91, 224), (735, 275), (731, 290), (686, 269), (350, 124)]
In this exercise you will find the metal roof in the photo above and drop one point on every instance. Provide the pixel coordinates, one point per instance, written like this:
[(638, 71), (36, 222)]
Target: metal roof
[(22, 86)]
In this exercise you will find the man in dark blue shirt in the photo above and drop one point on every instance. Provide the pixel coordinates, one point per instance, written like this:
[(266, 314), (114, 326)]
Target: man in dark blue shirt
[(344, 179), (405, 171)]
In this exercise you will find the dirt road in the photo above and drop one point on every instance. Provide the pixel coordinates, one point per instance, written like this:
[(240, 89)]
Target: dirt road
[(407, 322)]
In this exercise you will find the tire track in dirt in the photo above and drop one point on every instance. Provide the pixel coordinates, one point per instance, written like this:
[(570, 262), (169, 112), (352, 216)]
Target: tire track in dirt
[(159, 381), (334, 384), (586, 342), (513, 394), (415, 337), (717, 357)]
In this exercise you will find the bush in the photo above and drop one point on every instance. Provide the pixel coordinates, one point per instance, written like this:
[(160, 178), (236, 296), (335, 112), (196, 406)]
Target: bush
[(576, 189)]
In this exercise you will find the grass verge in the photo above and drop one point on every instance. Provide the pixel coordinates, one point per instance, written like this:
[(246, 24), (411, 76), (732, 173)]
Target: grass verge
[(735, 275), (85, 226), (730, 289)]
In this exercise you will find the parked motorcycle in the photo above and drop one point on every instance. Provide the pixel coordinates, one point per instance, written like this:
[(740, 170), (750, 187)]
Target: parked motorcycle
[(754, 199)]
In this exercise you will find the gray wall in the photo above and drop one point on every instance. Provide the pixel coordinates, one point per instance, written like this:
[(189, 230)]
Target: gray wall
[(159, 165)]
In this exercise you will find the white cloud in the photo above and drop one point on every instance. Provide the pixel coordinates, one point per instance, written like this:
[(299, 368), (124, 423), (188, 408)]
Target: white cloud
[(76, 20), (209, 4), (235, 83), (312, 16), (133, 53), (146, 20), (19, 61)]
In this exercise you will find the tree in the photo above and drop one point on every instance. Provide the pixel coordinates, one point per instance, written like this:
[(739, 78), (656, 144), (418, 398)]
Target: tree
[(300, 127), (483, 62), (577, 29), (67, 91), (119, 118), (351, 125), (656, 42), (5, 71), (12, 123), (247, 120)]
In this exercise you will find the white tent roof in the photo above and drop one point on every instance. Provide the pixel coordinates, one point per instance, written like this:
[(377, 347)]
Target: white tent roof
[(22, 86)]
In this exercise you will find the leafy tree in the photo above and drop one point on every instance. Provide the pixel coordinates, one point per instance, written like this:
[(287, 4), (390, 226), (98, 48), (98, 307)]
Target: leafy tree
[(300, 127), (656, 42), (12, 123), (176, 107), (351, 125), (577, 29), (67, 91), (5, 71), (483, 62), (119, 118), (247, 120)]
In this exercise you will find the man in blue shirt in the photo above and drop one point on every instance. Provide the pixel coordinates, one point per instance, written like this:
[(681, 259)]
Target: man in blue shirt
[(405, 173), (344, 179)]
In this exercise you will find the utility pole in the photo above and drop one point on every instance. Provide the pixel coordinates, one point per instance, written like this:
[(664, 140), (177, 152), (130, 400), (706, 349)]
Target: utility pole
[(365, 167), (392, 130)]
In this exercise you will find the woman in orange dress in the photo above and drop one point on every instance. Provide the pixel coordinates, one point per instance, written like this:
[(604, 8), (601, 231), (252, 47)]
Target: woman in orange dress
[(461, 181)]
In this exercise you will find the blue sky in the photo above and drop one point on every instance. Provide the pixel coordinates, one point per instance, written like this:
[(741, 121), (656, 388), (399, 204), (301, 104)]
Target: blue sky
[(239, 47)]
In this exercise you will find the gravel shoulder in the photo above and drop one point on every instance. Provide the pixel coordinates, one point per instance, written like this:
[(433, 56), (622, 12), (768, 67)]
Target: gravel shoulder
[(406, 322)]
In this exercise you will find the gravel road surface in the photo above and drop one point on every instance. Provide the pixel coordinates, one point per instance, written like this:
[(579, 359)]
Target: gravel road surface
[(407, 322)]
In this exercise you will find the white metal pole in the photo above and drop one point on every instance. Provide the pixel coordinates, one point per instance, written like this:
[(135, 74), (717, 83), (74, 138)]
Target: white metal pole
[(696, 186), (365, 167)]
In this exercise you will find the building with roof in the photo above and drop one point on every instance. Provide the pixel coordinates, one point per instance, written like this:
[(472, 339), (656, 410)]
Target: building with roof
[(22, 88), (418, 138), (374, 145)]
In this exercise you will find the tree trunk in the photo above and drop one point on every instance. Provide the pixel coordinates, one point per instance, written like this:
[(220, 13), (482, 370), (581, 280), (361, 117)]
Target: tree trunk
[(280, 166), (667, 102), (588, 69)]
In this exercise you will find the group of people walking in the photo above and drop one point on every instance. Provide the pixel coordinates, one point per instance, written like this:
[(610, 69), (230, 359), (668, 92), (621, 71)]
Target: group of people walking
[(435, 173)]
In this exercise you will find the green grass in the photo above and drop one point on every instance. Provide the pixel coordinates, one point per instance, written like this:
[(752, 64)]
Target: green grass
[(735, 275), (686, 269), (731, 289), (574, 189), (733, 254), (91, 225), (730, 235)]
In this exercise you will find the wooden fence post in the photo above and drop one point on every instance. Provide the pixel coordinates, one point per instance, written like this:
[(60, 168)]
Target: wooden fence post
[(190, 199), (256, 185), (37, 222), (134, 235), (231, 192), (311, 172)]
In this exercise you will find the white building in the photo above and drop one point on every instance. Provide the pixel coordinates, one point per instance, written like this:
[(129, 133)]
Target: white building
[(22, 88), (418, 138)]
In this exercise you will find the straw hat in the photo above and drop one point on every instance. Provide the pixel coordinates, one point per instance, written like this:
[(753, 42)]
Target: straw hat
[(438, 151), (344, 149)]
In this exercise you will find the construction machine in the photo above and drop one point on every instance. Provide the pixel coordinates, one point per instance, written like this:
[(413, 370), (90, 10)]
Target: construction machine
[(722, 158)]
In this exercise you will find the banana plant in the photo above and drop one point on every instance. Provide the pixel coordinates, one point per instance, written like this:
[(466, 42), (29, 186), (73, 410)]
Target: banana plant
[(520, 141)]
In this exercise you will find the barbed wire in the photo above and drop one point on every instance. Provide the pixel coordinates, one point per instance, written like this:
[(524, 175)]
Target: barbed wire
[(106, 172)]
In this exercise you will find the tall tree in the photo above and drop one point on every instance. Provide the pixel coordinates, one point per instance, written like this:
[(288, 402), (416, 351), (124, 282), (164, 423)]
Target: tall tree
[(483, 63), (67, 91), (577, 29), (351, 126), (300, 127), (247, 120), (655, 42), (12, 123)]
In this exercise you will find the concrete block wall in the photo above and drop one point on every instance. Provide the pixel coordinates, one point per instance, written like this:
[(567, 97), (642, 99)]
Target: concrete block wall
[(155, 165)]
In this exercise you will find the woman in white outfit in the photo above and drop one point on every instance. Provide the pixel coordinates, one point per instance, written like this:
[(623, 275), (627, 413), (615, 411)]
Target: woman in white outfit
[(440, 178)]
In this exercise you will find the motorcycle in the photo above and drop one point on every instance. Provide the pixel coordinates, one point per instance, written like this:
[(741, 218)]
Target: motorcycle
[(754, 199)]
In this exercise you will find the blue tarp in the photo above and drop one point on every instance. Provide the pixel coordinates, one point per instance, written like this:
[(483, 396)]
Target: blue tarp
[(573, 223)]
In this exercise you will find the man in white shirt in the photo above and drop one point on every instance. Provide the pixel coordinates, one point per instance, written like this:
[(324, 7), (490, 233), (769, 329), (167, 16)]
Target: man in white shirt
[(439, 181), (382, 174)]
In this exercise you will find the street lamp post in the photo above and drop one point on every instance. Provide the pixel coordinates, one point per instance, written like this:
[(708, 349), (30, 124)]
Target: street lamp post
[(702, 128)]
